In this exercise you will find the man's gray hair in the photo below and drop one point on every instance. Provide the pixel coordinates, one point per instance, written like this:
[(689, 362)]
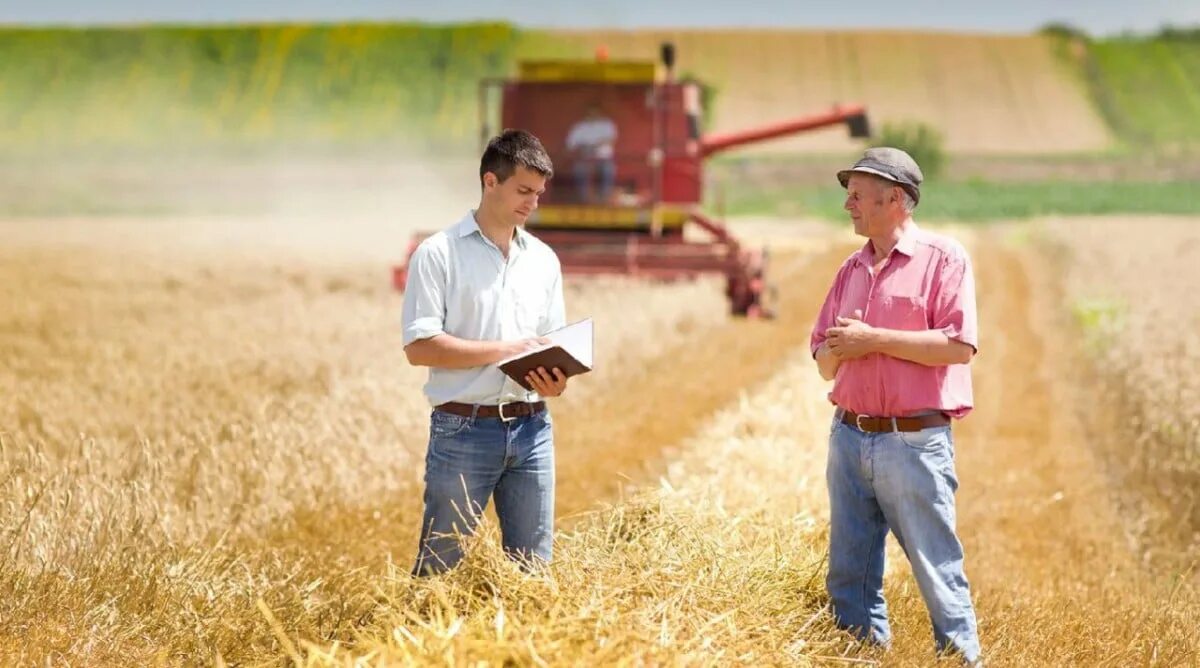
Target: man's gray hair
[(906, 199)]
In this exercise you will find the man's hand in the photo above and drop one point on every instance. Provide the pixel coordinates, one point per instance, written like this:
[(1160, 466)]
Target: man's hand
[(517, 347), (545, 384), (851, 338)]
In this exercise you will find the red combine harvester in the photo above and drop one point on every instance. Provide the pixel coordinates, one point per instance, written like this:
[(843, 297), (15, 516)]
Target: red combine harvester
[(635, 223)]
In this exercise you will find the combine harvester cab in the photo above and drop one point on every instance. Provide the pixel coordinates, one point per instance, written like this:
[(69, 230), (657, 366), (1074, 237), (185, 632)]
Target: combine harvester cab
[(649, 222)]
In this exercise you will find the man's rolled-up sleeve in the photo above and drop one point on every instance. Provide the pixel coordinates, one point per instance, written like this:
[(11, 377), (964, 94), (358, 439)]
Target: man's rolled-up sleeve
[(828, 315), (424, 312), (953, 309)]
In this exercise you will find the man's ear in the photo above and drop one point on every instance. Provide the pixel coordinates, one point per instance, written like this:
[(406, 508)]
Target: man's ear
[(489, 180)]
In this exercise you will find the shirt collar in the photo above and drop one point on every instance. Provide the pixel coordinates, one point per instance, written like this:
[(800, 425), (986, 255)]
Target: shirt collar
[(908, 241), (468, 226), (906, 245)]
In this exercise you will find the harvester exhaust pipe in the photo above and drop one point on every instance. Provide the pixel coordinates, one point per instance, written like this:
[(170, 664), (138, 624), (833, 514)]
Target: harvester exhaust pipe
[(668, 59)]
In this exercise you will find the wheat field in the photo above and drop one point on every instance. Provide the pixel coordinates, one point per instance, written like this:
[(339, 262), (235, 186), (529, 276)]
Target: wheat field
[(211, 451)]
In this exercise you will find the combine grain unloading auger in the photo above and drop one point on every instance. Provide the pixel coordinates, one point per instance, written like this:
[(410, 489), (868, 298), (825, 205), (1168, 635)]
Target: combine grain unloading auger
[(638, 228)]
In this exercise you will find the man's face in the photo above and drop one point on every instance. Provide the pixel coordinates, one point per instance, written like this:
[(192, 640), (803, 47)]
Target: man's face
[(516, 197), (871, 203)]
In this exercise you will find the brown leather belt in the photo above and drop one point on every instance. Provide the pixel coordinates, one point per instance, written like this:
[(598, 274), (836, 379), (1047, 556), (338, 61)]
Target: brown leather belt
[(877, 425), (506, 411)]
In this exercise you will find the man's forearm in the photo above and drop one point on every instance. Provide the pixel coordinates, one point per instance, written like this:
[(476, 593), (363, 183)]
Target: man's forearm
[(450, 352), (827, 362), (929, 347)]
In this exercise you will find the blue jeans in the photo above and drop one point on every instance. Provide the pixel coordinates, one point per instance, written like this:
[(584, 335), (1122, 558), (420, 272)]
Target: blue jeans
[(585, 171), (905, 482), (469, 460)]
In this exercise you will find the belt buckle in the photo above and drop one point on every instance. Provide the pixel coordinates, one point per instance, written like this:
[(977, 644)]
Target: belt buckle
[(500, 412), (858, 422)]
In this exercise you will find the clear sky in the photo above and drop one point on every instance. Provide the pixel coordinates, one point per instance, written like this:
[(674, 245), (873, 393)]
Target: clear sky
[(1095, 16)]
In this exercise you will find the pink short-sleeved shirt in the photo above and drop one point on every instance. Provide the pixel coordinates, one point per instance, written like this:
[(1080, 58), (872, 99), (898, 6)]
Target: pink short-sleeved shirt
[(925, 284)]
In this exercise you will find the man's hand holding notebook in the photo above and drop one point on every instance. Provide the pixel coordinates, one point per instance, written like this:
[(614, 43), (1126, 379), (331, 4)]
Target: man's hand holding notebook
[(569, 350)]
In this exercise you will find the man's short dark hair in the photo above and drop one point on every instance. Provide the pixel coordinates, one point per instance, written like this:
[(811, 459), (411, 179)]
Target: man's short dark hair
[(512, 148)]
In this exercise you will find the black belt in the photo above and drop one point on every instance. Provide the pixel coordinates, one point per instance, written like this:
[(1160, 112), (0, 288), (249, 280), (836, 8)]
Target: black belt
[(505, 411), (877, 425)]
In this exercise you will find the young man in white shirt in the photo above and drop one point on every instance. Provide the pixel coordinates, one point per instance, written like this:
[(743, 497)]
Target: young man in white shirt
[(479, 292)]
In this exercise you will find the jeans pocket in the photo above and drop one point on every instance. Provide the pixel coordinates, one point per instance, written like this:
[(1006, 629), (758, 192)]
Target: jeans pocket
[(928, 439), (447, 425)]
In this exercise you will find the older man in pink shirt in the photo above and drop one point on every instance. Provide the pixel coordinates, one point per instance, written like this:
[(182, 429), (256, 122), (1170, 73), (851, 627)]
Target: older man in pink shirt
[(896, 334)]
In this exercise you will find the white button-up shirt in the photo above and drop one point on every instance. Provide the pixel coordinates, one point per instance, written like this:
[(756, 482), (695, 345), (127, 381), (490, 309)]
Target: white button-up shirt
[(595, 135), (460, 284)]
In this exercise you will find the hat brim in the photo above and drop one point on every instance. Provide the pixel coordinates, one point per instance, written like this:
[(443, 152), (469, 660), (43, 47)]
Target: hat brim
[(844, 178)]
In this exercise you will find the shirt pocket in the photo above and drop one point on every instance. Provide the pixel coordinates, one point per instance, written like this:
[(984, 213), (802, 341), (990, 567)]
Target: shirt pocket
[(529, 310), (902, 312)]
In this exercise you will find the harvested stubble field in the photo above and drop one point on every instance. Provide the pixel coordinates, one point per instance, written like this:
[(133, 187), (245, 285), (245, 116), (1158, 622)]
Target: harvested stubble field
[(212, 453), (987, 94)]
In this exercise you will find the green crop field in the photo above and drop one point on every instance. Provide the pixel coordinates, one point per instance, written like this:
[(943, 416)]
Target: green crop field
[(978, 200), (1148, 89), (416, 83), (246, 85), (361, 83)]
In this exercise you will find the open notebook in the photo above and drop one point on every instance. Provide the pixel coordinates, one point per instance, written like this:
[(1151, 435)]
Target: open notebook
[(570, 349)]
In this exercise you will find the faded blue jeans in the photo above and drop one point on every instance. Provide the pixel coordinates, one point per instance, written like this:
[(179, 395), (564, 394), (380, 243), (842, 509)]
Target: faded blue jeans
[(905, 482), (469, 460)]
